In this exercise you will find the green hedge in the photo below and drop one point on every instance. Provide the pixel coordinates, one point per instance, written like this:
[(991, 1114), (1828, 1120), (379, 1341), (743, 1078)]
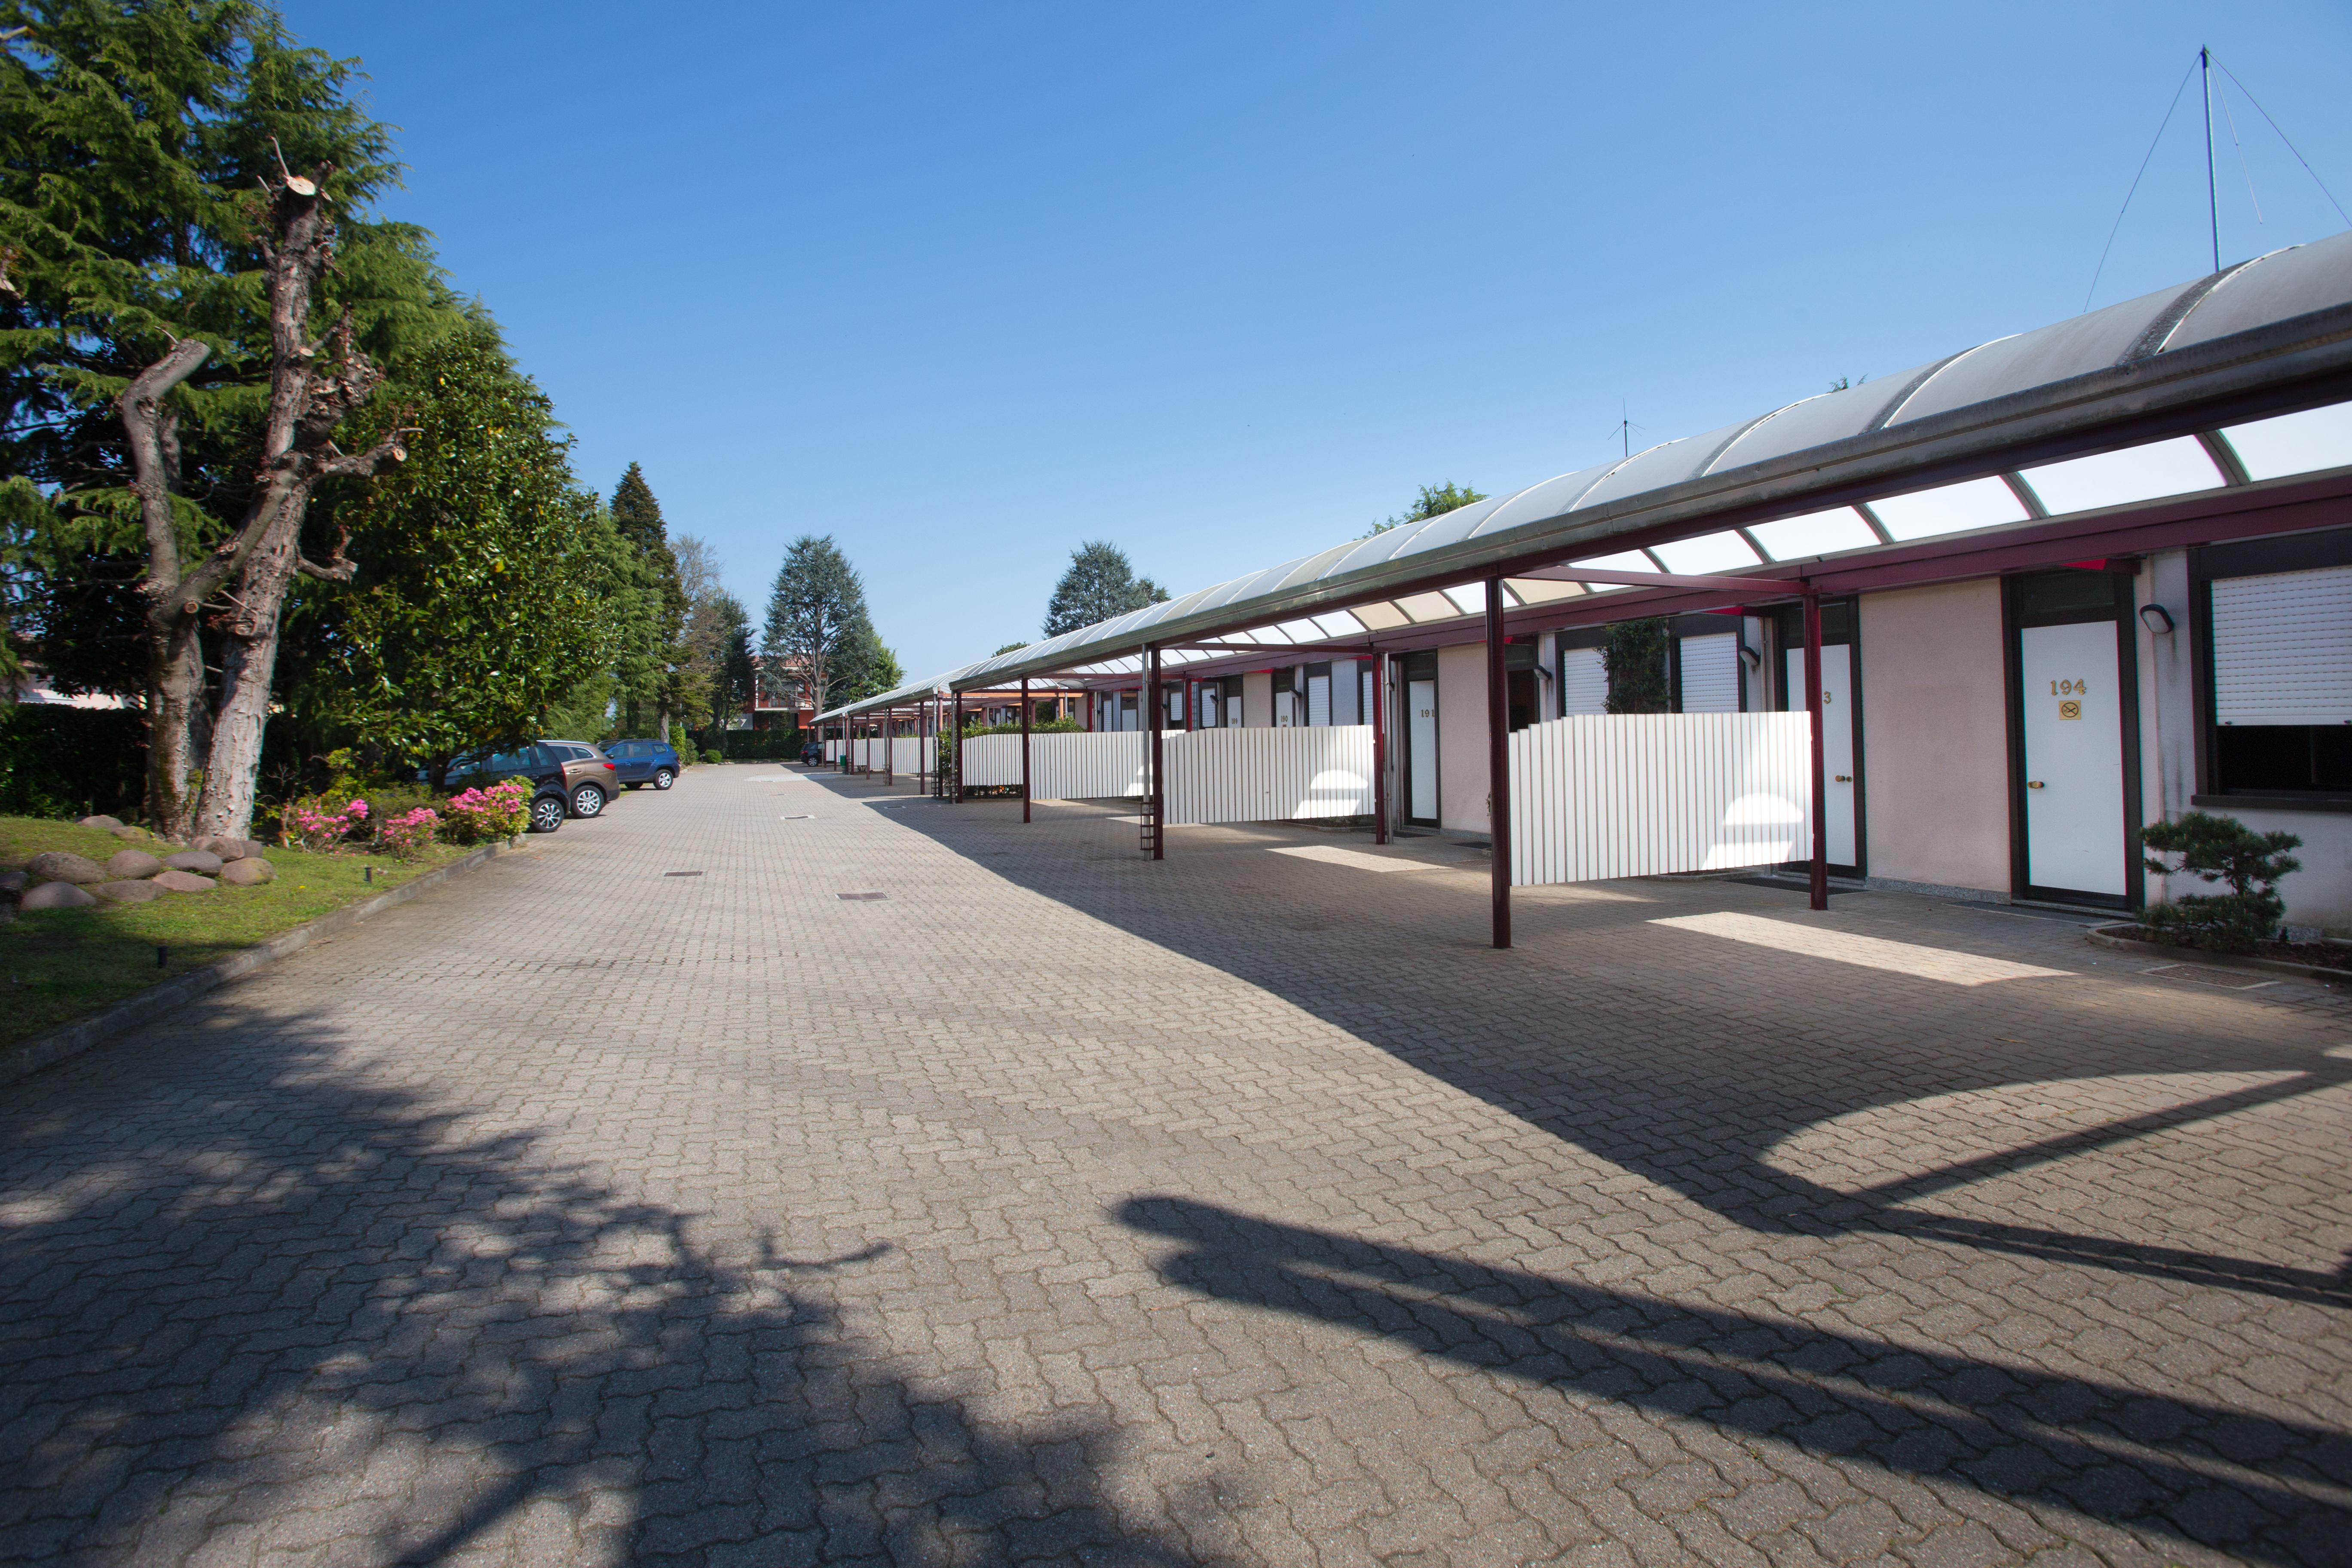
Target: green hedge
[(759, 745), (70, 762)]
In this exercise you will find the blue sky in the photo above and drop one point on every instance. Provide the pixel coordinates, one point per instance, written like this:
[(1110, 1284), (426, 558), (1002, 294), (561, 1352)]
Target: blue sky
[(964, 286)]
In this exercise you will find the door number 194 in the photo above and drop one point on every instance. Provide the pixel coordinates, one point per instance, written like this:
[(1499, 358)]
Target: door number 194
[(2069, 688)]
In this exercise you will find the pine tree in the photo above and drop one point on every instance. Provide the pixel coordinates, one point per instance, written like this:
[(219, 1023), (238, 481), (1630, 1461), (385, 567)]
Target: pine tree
[(816, 617), (1098, 585), (650, 665)]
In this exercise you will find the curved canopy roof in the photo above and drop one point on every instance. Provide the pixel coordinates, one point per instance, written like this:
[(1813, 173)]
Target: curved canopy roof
[(2272, 325)]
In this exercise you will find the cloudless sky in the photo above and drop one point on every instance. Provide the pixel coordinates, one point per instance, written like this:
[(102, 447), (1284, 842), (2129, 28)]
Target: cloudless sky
[(964, 286)]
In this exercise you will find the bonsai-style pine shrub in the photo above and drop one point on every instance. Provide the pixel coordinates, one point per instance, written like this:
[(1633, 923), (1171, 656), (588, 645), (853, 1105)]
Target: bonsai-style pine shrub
[(2220, 850)]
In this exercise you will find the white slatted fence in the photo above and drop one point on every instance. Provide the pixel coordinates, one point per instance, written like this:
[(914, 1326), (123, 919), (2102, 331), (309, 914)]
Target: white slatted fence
[(1602, 796), (1269, 775)]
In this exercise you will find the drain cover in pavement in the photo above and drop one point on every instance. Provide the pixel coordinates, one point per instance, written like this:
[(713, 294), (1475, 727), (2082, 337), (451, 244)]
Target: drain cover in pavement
[(861, 895), (681, 873)]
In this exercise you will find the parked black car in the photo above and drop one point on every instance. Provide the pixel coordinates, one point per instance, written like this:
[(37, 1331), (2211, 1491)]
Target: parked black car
[(549, 803), (651, 763), (573, 774)]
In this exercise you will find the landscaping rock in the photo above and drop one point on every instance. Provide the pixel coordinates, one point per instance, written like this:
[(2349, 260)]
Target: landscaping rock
[(132, 864), (60, 895), (135, 835), (128, 892), (254, 849), (203, 861), (227, 848), (106, 822), (181, 882), (58, 866), (14, 882), (250, 873)]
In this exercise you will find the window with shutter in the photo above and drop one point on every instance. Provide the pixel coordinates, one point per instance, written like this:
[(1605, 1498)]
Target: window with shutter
[(1583, 682), (1318, 700), (1711, 674), (2281, 683)]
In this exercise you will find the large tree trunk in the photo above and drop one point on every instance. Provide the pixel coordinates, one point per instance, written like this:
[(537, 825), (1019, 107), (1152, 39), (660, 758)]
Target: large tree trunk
[(313, 385)]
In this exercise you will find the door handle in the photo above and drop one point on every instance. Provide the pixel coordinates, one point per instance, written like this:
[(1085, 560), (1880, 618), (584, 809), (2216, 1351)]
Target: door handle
[(2033, 783), (1843, 778)]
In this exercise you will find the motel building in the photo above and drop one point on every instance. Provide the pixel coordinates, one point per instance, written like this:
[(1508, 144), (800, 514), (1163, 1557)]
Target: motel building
[(2059, 586)]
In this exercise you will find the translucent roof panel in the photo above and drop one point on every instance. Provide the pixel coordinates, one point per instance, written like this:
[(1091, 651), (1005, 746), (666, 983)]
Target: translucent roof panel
[(1816, 421), (1624, 561), (1949, 509), (1428, 607), (1543, 591), (2274, 288), (1339, 623), (2035, 359), (1814, 534), (1382, 616), (2295, 443), (1707, 552), (1470, 599), (2114, 478), (1660, 466)]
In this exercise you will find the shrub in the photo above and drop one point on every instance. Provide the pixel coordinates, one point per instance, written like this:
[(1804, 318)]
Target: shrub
[(2220, 850), (57, 761), (318, 824), (411, 833), (714, 756), (1634, 656), (759, 745), (481, 816)]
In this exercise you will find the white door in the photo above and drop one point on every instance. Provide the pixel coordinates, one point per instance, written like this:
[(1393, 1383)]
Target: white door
[(1421, 747), (1837, 743), (2073, 758)]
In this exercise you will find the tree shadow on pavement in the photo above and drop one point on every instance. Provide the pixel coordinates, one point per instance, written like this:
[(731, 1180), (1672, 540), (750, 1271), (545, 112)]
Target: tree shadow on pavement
[(1688, 1071), (253, 1302), (2173, 1470)]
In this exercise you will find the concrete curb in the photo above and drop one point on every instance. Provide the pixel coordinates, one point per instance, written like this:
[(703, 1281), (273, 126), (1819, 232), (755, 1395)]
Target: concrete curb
[(29, 1056), (2104, 937)]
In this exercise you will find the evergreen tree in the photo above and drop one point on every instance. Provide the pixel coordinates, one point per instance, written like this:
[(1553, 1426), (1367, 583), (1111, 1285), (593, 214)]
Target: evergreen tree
[(816, 617), (170, 429), (484, 585), (1098, 585), (650, 664)]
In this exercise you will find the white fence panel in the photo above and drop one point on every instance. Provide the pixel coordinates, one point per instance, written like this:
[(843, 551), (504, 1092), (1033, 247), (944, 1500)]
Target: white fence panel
[(832, 751), (905, 754), (1079, 765), (993, 759), (1269, 775), (1600, 795)]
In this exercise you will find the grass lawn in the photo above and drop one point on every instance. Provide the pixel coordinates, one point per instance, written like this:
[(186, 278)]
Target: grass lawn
[(58, 964)]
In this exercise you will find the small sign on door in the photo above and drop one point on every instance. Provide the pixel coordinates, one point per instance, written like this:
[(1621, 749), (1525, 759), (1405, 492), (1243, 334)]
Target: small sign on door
[(2070, 709)]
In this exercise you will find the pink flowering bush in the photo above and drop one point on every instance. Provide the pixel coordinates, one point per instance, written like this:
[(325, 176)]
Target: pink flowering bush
[(410, 833), (479, 816), (317, 825)]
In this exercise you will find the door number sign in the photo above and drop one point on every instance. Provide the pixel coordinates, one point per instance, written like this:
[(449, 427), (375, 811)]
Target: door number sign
[(2075, 690)]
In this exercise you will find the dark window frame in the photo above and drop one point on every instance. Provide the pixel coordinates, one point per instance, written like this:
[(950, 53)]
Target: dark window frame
[(2252, 558)]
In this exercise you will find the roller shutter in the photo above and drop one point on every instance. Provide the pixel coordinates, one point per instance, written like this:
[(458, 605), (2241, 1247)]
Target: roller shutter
[(2282, 648)]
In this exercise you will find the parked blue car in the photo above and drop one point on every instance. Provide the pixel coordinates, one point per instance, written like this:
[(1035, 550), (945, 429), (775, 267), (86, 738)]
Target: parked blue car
[(645, 762)]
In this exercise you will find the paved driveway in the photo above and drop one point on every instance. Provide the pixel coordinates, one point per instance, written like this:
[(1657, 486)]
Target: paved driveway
[(1243, 1207)]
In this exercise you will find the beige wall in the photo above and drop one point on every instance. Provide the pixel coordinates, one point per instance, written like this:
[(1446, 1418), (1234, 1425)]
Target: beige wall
[(1462, 738), (1935, 736)]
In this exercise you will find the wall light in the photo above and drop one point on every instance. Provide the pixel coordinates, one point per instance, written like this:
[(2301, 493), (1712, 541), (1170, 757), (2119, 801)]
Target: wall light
[(2155, 618), (1750, 658)]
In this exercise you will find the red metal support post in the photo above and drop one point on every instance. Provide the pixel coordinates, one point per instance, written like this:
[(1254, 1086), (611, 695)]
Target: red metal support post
[(956, 746), (1380, 748), (1025, 749), (1158, 805), (1498, 761), (889, 748), (1820, 869)]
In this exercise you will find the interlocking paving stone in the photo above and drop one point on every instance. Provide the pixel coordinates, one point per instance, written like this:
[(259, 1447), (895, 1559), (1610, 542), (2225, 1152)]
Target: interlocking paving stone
[(1058, 1205)]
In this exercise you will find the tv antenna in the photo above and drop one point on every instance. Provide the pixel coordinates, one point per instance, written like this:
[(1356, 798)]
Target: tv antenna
[(1623, 430)]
